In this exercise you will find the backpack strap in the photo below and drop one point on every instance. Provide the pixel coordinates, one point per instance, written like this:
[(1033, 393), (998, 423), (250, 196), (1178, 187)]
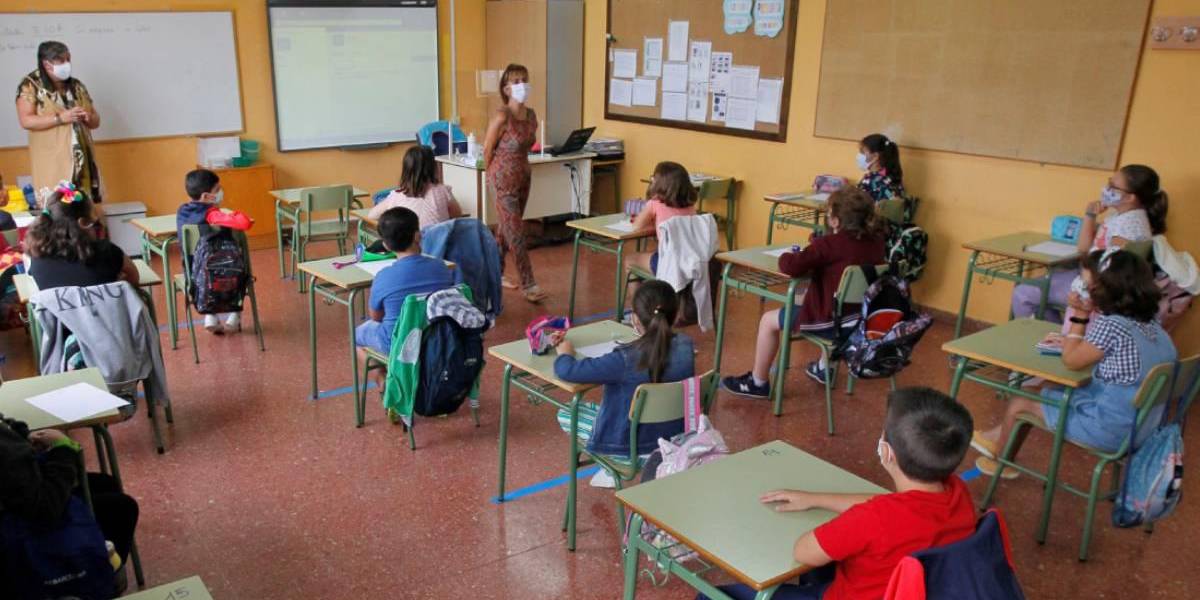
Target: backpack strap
[(692, 408)]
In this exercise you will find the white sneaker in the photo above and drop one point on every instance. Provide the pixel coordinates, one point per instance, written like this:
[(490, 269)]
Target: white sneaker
[(233, 322), (603, 480), (213, 324)]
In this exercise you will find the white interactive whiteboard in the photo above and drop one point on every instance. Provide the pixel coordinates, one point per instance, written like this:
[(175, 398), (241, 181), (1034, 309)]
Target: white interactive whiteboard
[(151, 74)]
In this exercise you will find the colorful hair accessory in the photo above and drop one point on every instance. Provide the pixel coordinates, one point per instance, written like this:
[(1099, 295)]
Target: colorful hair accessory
[(70, 195)]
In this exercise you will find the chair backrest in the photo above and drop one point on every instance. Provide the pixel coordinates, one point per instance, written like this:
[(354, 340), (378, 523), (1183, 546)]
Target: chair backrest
[(1187, 383), (380, 195), (334, 197), (892, 210), (976, 568), (663, 402), (713, 189), (191, 238)]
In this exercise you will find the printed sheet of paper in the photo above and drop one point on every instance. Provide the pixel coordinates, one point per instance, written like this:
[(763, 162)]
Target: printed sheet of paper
[(697, 109), (652, 57), (777, 252), (768, 17), (770, 92), (674, 106), (677, 40), (1053, 249), (740, 113), (596, 350), (76, 402), (718, 78), (719, 103), (675, 77), (620, 92), (737, 15), (699, 62), (624, 63), (645, 91), (374, 267), (743, 82), (624, 226)]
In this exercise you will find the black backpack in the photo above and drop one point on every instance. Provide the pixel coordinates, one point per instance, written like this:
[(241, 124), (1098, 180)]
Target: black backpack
[(219, 273), (872, 351), (451, 360)]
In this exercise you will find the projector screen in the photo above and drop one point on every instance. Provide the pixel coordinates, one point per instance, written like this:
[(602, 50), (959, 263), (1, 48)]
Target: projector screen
[(350, 74)]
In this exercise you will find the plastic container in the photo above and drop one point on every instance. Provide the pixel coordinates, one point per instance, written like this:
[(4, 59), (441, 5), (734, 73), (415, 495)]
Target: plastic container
[(116, 219), (241, 161), (250, 150)]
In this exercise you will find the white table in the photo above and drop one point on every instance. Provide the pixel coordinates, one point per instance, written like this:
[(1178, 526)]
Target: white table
[(559, 185)]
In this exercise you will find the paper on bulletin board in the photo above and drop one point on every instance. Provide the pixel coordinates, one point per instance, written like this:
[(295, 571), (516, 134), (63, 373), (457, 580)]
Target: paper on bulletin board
[(699, 62), (652, 57), (677, 40), (674, 106), (743, 82), (768, 17), (719, 102), (624, 63), (645, 91), (620, 92), (737, 15), (697, 108), (770, 92), (675, 77), (718, 78), (740, 113)]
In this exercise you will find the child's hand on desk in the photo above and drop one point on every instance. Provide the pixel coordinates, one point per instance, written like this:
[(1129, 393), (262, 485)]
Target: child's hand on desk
[(789, 500), (561, 344)]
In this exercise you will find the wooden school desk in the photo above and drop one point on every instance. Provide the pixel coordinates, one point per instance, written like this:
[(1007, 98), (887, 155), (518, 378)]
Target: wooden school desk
[(158, 233), (342, 286), (714, 509), (756, 270), (535, 376), (13, 404), (368, 228), (598, 234), (1006, 257), (802, 209), (287, 208), (191, 588), (991, 356)]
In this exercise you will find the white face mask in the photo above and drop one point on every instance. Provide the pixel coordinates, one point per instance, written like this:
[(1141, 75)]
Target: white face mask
[(520, 91), (1110, 196), (61, 71), (219, 196), (862, 162)]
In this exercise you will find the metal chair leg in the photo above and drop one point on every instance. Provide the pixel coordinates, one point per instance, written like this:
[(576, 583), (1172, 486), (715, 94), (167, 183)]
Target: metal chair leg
[(1093, 493)]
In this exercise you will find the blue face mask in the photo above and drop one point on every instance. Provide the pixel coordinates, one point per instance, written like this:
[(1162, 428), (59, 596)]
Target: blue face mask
[(863, 163), (1110, 196)]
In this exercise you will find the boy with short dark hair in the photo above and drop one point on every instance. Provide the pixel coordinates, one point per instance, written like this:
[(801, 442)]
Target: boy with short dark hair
[(412, 273), (204, 191), (925, 436)]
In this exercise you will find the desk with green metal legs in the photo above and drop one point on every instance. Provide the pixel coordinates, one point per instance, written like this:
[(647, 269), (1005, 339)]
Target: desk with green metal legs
[(606, 233), (1007, 257), (368, 228), (714, 510), (802, 209), (158, 233), (287, 210), (990, 358), (535, 375), (756, 270)]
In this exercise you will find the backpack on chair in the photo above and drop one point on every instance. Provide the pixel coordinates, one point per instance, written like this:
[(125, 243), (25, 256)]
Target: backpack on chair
[(888, 332), (219, 273)]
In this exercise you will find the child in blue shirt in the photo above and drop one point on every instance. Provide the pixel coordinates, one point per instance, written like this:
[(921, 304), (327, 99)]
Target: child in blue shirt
[(660, 355), (412, 273)]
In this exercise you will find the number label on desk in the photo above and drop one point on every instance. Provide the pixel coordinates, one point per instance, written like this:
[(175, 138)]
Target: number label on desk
[(178, 593), (771, 452)]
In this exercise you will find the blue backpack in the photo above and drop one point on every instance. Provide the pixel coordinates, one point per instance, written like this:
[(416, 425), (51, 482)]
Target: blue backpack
[(1153, 482), (451, 360), (66, 559)]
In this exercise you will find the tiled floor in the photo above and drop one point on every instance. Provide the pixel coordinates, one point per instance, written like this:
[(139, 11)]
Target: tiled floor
[(265, 493)]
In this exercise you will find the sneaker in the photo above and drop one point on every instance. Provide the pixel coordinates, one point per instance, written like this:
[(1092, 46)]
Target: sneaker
[(988, 467), (815, 372), (744, 385), (603, 480), (213, 324), (233, 322), (983, 445)]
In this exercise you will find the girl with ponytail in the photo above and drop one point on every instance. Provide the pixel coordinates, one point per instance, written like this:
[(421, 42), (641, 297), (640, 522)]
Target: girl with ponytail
[(659, 355), (879, 158), (64, 247)]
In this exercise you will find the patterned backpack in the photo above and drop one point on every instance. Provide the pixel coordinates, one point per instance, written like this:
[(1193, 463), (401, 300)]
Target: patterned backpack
[(219, 273), (888, 332)]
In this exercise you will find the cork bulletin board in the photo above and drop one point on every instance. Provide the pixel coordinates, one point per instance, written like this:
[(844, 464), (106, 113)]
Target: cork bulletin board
[(1037, 80), (632, 22)]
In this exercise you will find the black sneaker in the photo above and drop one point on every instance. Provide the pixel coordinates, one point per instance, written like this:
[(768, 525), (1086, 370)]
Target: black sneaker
[(815, 372), (744, 385)]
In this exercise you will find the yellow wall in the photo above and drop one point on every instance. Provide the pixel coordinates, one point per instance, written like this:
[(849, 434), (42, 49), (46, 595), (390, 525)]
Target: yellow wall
[(151, 171), (963, 197)]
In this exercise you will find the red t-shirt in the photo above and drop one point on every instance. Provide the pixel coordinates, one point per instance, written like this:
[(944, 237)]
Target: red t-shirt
[(869, 540)]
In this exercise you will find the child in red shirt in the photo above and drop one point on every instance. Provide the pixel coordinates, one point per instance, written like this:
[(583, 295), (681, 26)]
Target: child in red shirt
[(925, 436), (671, 194)]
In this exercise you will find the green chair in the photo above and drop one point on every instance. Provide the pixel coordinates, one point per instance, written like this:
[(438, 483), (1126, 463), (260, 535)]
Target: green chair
[(892, 210), (183, 282), (305, 230), (717, 189), (851, 290), (652, 403), (1161, 386)]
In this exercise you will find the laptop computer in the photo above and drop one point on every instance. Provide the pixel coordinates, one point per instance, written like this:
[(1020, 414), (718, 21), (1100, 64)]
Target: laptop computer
[(574, 142)]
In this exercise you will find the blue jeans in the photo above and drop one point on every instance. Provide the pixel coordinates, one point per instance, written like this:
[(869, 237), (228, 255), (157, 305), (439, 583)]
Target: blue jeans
[(811, 587)]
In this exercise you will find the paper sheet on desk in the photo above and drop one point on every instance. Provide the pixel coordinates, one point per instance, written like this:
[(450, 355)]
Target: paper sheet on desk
[(76, 402), (23, 221), (374, 267), (597, 350), (1052, 248), (777, 252), (622, 226)]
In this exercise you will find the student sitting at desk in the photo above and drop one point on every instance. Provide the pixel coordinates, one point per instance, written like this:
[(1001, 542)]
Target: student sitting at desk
[(660, 355), (1121, 346), (855, 240), (412, 273), (925, 436), (203, 208), (419, 191), (670, 194), (879, 160), (64, 249)]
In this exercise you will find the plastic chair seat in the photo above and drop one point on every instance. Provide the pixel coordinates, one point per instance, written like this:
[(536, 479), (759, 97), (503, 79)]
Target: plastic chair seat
[(617, 465)]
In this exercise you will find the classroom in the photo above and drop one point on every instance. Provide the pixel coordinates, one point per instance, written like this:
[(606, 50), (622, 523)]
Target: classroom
[(819, 299)]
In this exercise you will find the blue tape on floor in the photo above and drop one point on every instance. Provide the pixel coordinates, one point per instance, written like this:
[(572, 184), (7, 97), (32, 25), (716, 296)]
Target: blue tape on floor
[(342, 390), (545, 485), (970, 474)]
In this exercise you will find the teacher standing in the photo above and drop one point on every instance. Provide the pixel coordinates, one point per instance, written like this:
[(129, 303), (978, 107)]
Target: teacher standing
[(57, 111), (510, 136)]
